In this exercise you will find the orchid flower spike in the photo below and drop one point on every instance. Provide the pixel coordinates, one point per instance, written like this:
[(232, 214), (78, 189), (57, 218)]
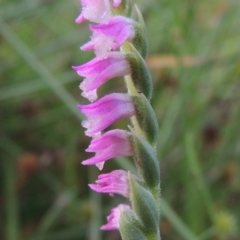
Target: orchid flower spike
[(119, 43)]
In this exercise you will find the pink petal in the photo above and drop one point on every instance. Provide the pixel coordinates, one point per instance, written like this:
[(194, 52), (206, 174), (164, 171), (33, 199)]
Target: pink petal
[(106, 111), (113, 182), (96, 65), (110, 36), (112, 136), (114, 143), (89, 46), (114, 217), (80, 19), (115, 26), (98, 71)]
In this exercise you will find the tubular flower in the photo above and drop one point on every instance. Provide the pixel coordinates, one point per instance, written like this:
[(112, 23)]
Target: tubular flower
[(110, 36), (114, 143), (114, 217), (98, 71), (106, 111), (96, 10), (113, 182)]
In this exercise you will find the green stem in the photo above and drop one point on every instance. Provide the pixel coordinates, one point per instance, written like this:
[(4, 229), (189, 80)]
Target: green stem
[(195, 169), (208, 234), (12, 228), (176, 221), (53, 214), (131, 90), (10, 150), (70, 173)]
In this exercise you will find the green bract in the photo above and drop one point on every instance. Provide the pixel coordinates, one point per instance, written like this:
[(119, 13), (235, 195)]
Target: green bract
[(130, 227), (146, 161), (145, 207), (146, 118), (140, 74), (140, 40)]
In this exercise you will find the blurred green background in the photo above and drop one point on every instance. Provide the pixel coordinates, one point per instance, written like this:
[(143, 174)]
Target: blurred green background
[(194, 49)]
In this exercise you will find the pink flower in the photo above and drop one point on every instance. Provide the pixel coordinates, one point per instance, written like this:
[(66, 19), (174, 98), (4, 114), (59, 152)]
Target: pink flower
[(113, 182), (94, 10), (114, 143), (98, 11), (107, 110), (114, 217), (110, 36), (98, 71)]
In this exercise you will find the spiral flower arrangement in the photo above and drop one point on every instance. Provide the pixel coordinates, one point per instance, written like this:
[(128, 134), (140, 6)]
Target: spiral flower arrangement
[(119, 43)]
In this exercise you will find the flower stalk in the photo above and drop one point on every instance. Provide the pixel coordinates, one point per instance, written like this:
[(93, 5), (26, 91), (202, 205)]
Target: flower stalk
[(119, 43)]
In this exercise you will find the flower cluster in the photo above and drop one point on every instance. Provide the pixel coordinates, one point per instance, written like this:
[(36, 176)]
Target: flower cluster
[(118, 42)]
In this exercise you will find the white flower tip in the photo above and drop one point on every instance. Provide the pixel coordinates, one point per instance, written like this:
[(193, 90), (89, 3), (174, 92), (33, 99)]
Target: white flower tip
[(102, 45), (85, 124), (92, 186), (100, 165), (91, 95), (98, 12)]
